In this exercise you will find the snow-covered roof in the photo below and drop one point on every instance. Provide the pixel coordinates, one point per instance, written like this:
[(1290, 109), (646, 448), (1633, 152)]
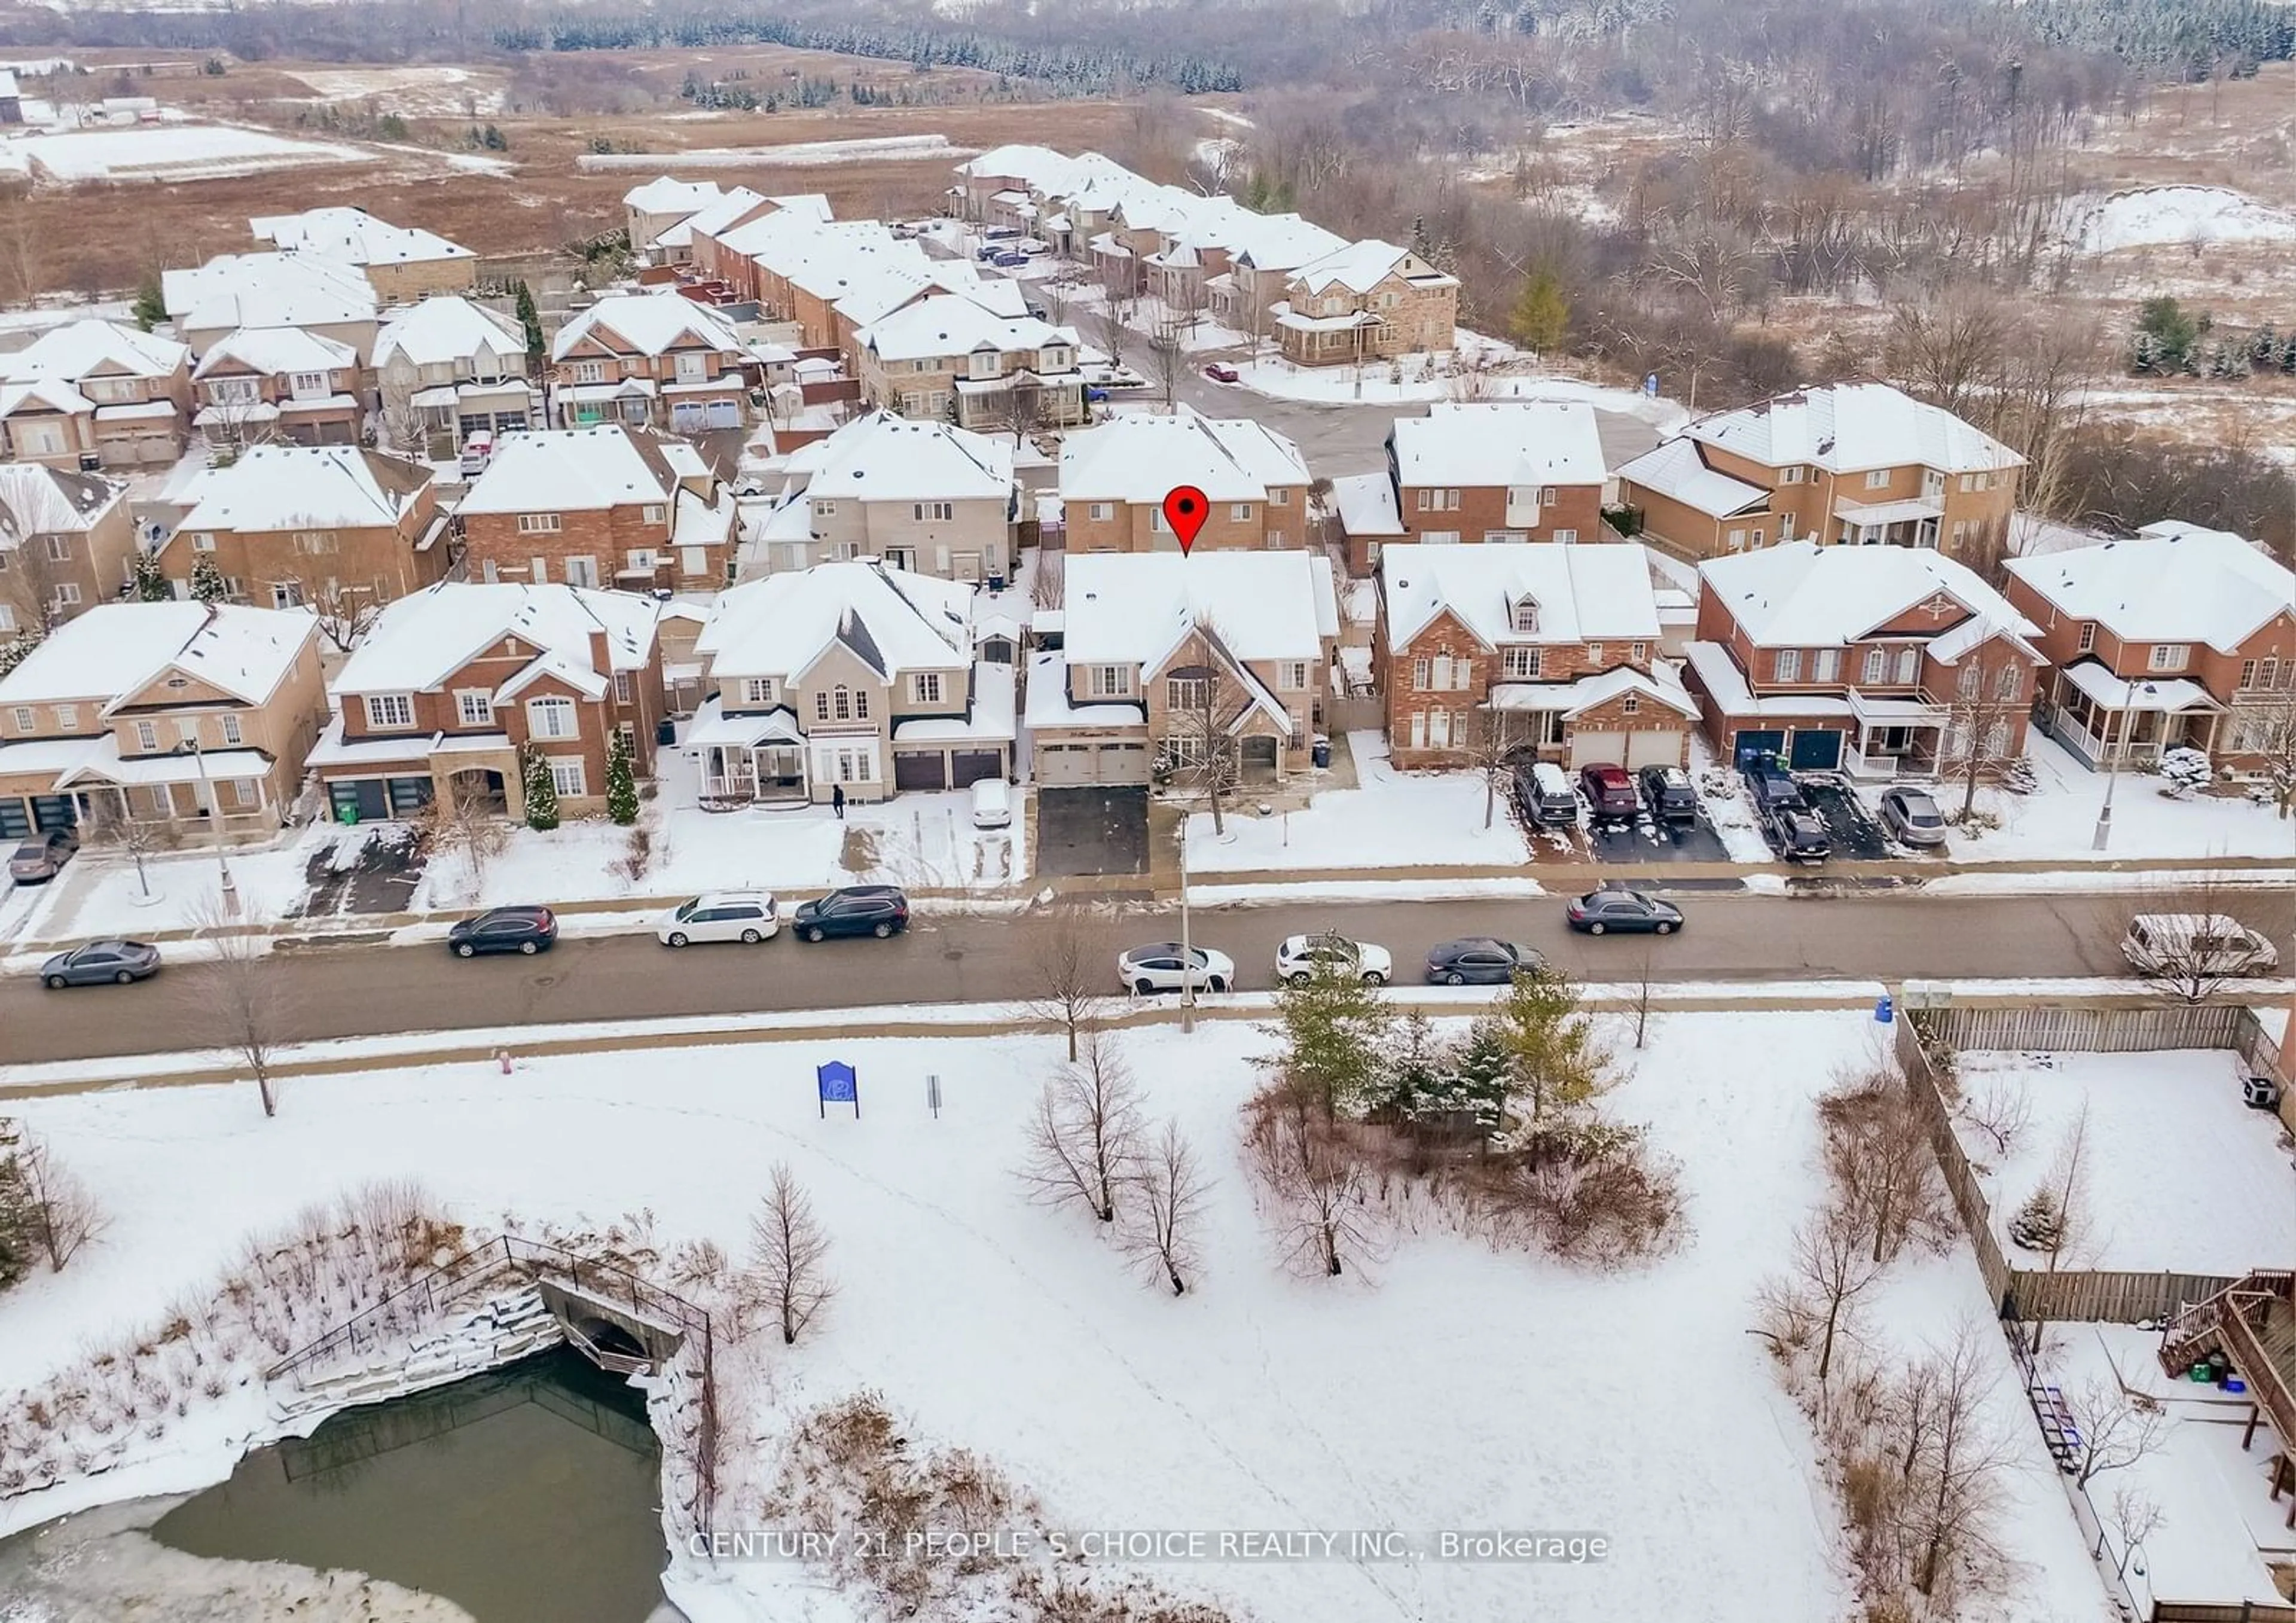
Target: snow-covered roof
[(420, 642), (268, 289), (39, 501), (1799, 594), (1676, 468), (1583, 594), (114, 650), (85, 348), (1534, 442), (948, 326), (355, 237), (648, 323), (1137, 458), (275, 351), (1849, 427), (1361, 267), (1137, 608), (50, 394), (1280, 242), (2174, 583), (575, 470), (882, 457), (1366, 505), (1575, 697), (275, 486), (446, 329), (715, 218), (664, 196), (894, 620)]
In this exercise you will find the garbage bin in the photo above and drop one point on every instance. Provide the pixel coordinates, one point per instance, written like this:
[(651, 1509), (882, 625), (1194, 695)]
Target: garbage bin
[(347, 813), (1320, 751), (996, 583), (665, 733)]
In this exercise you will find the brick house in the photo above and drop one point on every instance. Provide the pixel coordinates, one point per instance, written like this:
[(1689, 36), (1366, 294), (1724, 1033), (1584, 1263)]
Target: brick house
[(1526, 471), (947, 357), (452, 685), (2180, 637), (852, 675), (1881, 661), (698, 239), (1151, 643), (922, 496), (607, 505), (1114, 477), (211, 302), (285, 525), (1849, 464), (656, 359), (95, 389), (653, 208), (1542, 648), (265, 383), (402, 263), (1366, 301), (177, 714), (449, 368), (65, 540)]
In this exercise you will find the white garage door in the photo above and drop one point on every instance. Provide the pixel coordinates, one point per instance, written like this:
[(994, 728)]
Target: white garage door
[(1065, 766), (1124, 763), (1653, 748), (1594, 749), (725, 413), (686, 416)]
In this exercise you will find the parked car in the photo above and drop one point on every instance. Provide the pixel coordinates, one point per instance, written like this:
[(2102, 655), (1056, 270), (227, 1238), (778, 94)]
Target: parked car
[(1771, 785), (1480, 961), (1218, 374), (747, 916), (504, 929), (1912, 817), (988, 251), (992, 803), (478, 451), (1548, 798), (1598, 913), (101, 961), (1162, 966), (1033, 246), (1297, 956), (41, 858), (1666, 791), (2195, 944), (1002, 234), (857, 910), (1095, 397), (1009, 261), (1800, 834), (1610, 792)]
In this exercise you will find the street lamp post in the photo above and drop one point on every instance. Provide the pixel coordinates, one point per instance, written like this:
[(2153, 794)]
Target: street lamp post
[(215, 823), (1187, 945), (2103, 835)]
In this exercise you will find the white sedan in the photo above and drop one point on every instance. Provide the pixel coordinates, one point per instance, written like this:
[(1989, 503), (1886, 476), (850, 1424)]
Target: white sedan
[(1162, 966), (1296, 959)]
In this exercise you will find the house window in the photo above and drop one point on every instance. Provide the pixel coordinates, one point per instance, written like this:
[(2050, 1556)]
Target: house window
[(66, 716), (243, 792), (1279, 497), (1156, 524), (1639, 652), (1877, 478), (550, 717), (927, 512), (639, 560), (821, 705), (60, 549), (386, 710), (315, 542), (232, 391), (1970, 679), (1526, 618), (286, 594), (538, 524), (589, 371), (1977, 481), (824, 510), (1519, 664), (2088, 636), (650, 512), (67, 594), (924, 686), (7, 617), (1633, 705), (1909, 666), (231, 731), (2268, 675), (23, 717), (758, 690), (1291, 676), (1877, 666), (1187, 693), (623, 691), (2169, 656), (691, 368), (2248, 672), (1790, 476), (1103, 510), (1240, 512), (1422, 678), (147, 737), (567, 777), (1438, 500), (1566, 537), (581, 571), (2011, 684), (309, 385), (1826, 665), (1787, 666), (202, 541), (1110, 681), (474, 706), (1737, 540)]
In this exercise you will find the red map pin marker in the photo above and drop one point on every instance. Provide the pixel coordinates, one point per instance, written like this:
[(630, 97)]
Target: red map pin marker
[(1185, 510)]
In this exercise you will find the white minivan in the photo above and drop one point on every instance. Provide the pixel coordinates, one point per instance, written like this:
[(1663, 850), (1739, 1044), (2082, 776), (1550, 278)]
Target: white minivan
[(747, 916), (992, 803), (2188, 944)]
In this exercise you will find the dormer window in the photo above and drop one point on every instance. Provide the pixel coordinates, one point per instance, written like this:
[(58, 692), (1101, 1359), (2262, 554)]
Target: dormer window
[(1526, 616)]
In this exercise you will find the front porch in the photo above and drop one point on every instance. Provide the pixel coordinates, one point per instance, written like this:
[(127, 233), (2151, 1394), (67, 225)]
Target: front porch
[(1913, 522), (230, 789), (2104, 720), (1891, 737), (748, 760), (1331, 340)]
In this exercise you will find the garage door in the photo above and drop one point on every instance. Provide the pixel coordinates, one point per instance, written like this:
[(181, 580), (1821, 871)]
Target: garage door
[(1590, 748), (919, 770), (969, 767), (55, 811), (1748, 742), (725, 414), (156, 446), (1651, 748), (1816, 752), (16, 820), (364, 798), (686, 415), (1066, 765), (1123, 764)]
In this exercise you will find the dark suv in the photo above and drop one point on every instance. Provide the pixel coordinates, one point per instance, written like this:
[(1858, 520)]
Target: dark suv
[(504, 929), (1800, 834), (857, 910), (1772, 786), (1610, 792), (1667, 791)]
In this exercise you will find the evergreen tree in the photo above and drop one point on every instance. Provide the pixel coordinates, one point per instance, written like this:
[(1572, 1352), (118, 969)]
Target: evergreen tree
[(621, 781), (1415, 1064), (146, 584), (1541, 319), (1333, 1025), (207, 584), (2264, 348), (494, 140), (19, 648), (2288, 356), (541, 792), (530, 319), (20, 1224), (1477, 1078), (1556, 1065), (151, 307), (2176, 331), (2145, 356)]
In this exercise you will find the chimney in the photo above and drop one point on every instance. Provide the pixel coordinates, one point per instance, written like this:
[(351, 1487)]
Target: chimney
[(601, 659)]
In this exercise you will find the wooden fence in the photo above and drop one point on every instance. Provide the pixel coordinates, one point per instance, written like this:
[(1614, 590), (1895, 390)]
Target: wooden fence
[(2054, 1028)]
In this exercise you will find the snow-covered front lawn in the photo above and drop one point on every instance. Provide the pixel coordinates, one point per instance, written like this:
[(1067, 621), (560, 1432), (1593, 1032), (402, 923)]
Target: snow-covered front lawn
[(1457, 1388)]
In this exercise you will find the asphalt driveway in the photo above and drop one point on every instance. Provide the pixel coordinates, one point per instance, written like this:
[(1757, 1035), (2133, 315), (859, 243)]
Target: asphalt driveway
[(1647, 839), (1857, 836), (1091, 831)]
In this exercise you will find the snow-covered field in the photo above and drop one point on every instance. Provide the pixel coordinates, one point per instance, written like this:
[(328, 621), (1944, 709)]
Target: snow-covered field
[(870, 149), (436, 90), (2179, 1173), (166, 152), (2178, 215), (1458, 1387)]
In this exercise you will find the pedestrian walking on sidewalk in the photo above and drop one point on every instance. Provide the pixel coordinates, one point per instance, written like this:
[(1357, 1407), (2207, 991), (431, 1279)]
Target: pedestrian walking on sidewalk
[(837, 800)]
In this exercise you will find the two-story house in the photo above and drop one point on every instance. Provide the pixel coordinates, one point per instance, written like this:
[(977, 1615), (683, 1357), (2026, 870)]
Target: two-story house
[(1857, 465), (1528, 470), (402, 263), (1370, 300), (454, 685), (264, 383), (1114, 477), (65, 540), (449, 368), (1881, 661), (852, 675), (649, 358), (1544, 649), (179, 714), (209, 302), (660, 203), (946, 357), (699, 239), (606, 506), (1261, 262), (332, 525), (2182, 636), (95, 390), (1166, 660), (922, 496)]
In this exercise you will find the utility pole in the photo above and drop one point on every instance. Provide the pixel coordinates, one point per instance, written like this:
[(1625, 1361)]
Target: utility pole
[(2103, 835), (1187, 945)]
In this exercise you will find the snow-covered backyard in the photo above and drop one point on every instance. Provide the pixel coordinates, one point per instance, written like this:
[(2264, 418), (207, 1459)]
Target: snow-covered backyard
[(2176, 1172), (1458, 1387)]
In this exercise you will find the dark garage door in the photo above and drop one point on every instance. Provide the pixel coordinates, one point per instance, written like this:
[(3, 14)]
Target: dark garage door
[(15, 822), (1748, 742), (55, 811), (971, 766), (918, 770), (364, 796), (1816, 751)]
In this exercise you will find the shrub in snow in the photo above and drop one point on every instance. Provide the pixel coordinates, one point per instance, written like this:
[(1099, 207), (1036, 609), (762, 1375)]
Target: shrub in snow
[(207, 584), (2187, 770), (621, 781), (2039, 1223), (541, 792)]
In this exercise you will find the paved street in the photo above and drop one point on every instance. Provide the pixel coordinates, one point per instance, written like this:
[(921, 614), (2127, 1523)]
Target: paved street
[(359, 991)]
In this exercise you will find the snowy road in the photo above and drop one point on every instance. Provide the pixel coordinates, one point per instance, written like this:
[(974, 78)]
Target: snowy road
[(365, 991)]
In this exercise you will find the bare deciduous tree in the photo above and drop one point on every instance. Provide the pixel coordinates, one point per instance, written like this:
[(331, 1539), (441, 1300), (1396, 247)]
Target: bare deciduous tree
[(64, 1212), (1832, 1269), (233, 997), (789, 1252), (1956, 1478), (1168, 362), (1070, 954), (346, 613), (1495, 738), (1110, 329), (1162, 1225), (2118, 1428), (1317, 1185), (1084, 1141), (1990, 693), (1202, 692), (2135, 1518), (2192, 956), (464, 821), (1023, 407), (1879, 1157), (2002, 1112)]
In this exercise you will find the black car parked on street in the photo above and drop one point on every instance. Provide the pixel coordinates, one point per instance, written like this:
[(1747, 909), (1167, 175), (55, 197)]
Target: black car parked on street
[(1479, 961), (504, 929), (857, 910), (1599, 913)]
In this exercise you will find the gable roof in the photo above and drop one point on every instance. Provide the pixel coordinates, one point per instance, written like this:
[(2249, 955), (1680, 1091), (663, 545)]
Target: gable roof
[(1676, 468), (355, 237), (1361, 267), (666, 196), (448, 327), (1138, 608), (79, 349), (950, 325), (268, 289), (1535, 442), (36, 500), (884, 458), (2174, 583), (1138, 457), (651, 323), (577, 470), (56, 394), (1593, 594), (275, 351), (422, 641), (1797, 594), (1849, 427), (894, 620), (275, 486), (114, 650)]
